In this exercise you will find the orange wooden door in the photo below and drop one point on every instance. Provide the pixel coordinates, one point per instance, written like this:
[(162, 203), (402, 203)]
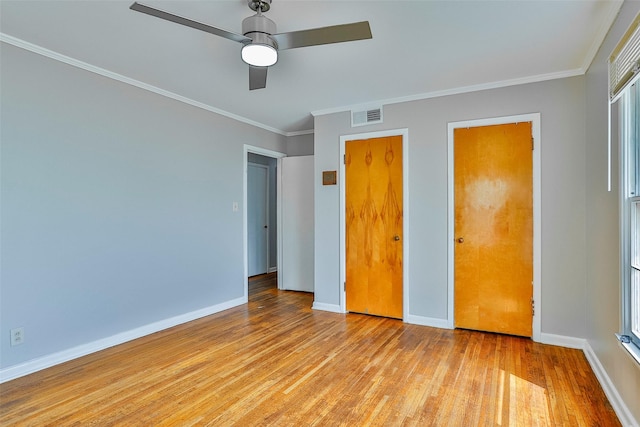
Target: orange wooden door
[(493, 199), (373, 185)]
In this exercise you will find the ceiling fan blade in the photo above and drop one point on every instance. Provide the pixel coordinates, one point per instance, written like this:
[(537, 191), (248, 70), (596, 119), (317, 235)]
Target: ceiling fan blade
[(257, 77), (188, 22), (324, 35)]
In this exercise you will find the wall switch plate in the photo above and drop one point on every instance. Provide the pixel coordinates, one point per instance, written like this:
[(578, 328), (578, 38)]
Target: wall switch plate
[(17, 336)]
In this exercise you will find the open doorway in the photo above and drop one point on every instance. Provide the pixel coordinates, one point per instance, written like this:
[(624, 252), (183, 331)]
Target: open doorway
[(262, 246), (288, 236)]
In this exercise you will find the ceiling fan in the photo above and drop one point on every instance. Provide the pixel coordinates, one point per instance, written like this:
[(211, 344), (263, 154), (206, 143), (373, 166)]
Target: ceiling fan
[(260, 41)]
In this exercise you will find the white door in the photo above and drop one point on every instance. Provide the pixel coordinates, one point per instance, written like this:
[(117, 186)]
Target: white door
[(297, 224), (257, 220)]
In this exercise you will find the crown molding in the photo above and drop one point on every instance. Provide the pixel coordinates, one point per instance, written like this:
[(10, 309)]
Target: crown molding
[(614, 10), (14, 41), (300, 132), (603, 30), (457, 91)]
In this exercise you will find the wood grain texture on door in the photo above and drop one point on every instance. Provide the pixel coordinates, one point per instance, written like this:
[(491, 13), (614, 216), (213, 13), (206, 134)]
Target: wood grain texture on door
[(493, 199), (373, 217)]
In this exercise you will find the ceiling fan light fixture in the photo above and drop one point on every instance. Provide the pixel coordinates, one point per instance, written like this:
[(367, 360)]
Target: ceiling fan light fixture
[(260, 39), (259, 55)]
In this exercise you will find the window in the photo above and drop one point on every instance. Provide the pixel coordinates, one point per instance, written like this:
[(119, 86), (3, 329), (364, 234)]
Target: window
[(635, 272), (630, 225)]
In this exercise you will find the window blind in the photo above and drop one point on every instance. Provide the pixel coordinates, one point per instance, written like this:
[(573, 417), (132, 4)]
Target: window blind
[(624, 62)]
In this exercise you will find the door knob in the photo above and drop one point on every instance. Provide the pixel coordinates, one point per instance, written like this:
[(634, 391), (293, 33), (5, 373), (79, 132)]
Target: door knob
[(396, 238), (460, 239)]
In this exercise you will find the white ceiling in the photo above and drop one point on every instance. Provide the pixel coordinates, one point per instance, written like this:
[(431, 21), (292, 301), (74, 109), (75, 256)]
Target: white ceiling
[(419, 49)]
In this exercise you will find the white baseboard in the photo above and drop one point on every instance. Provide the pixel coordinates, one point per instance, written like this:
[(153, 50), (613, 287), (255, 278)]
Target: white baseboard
[(334, 308), (272, 269), (428, 321), (622, 411), (563, 341), (22, 369)]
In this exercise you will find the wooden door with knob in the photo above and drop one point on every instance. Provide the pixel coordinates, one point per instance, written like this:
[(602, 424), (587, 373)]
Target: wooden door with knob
[(373, 220), (493, 205)]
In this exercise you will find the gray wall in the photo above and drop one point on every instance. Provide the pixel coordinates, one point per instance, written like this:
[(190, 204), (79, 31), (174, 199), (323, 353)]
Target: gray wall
[(561, 104), (116, 206), (300, 145), (602, 227)]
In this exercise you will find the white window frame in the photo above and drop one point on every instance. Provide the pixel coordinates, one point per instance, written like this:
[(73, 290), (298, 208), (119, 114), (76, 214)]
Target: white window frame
[(629, 196)]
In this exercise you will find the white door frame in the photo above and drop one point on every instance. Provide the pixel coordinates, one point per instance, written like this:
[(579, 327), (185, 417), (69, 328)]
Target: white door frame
[(534, 118), (405, 215), (245, 160)]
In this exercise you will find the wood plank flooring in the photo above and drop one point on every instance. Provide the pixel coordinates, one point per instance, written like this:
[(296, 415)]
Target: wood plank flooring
[(276, 362)]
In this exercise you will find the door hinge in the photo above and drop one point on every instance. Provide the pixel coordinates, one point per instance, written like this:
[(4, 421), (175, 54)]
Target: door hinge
[(344, 159), (533, 307), (344, 286), (532, 144)]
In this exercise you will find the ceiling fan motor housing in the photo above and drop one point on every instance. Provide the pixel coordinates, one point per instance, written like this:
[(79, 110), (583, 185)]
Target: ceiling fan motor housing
[(258, 28)]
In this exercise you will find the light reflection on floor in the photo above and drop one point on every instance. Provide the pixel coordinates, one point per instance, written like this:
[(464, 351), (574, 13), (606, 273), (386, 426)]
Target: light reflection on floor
[(527, 403)]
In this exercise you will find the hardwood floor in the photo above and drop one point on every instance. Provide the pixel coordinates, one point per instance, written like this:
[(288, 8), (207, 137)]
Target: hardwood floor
[(277, 362)]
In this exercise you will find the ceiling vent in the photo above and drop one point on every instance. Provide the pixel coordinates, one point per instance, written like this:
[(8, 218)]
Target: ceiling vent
[(366, 117)]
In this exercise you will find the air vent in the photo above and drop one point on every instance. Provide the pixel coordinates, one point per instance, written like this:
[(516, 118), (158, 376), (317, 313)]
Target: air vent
[(366, 117)]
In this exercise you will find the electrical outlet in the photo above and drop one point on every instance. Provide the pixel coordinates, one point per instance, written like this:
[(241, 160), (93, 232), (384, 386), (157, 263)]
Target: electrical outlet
[(17, 336), (234, 207)]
